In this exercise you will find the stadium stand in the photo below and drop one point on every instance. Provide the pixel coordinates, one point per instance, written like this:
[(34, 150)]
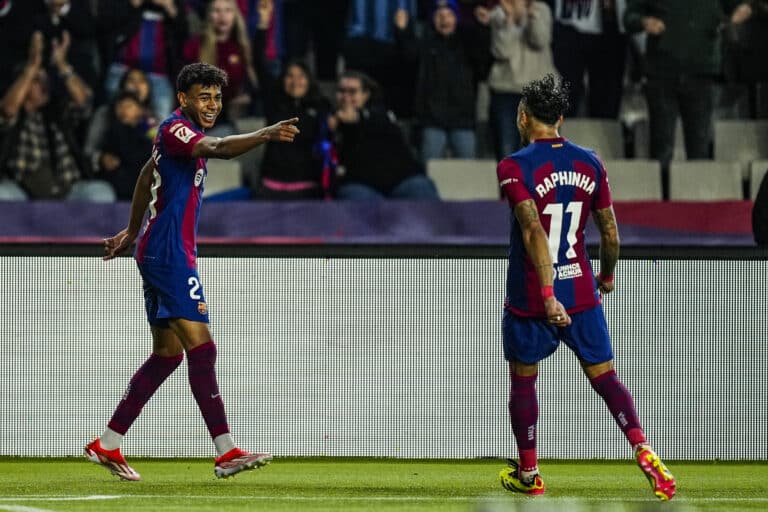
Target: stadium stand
[(605, 136), (464, 180), (705, 180), (634, 180), (223, 176), (741, 140), (757, 170)]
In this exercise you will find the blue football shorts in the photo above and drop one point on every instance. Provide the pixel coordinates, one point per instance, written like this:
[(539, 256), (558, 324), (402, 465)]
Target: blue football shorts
[(530, 340), (172, 293)]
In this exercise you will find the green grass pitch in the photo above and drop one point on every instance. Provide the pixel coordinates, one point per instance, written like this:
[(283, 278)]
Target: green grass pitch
[(45, 485)]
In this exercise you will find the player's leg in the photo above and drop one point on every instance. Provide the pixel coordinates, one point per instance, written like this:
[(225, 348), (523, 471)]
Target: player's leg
[(167, 354), (526, 341), (201, 361), (588, 337)]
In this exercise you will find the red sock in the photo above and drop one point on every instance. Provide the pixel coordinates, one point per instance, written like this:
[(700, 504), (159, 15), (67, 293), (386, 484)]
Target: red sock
[(619, 402), (523, 414), (142, 386), (202, 379)]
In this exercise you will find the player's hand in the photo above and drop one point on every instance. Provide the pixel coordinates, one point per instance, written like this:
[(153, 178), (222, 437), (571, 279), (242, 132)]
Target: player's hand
[(117, 244), (284, 131), (556, 313), (604, 286)]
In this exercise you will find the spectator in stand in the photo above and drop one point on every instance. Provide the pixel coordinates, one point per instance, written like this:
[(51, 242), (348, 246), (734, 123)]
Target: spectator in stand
[(39, 152), (451, 60), (521, 38), (589, 46), (682, 61), (295, 171), (224, 43), (747, 44), (128, 140), (370, 47), (268, 48), (321, 24), (16, 28), (152, 38), (134, 81), (376, 158)]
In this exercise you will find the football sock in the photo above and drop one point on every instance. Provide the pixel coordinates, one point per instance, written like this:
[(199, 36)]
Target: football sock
[(223, 444), (202, 379), (523, 414), (142, 386), (110, 440), (619, 402)]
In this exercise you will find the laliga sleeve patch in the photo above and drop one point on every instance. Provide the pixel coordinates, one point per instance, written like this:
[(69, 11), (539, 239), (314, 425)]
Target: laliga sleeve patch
[(182, 132)]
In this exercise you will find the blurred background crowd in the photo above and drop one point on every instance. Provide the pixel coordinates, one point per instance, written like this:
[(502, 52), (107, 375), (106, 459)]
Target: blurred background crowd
[(382, 87)]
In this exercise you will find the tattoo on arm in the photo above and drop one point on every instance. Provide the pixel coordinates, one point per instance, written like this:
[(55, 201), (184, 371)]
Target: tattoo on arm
[(609, 239)]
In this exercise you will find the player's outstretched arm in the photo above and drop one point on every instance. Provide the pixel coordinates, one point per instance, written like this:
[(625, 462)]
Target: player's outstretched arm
[(535, 240), (235, 145), (142, 193), (605, 220)]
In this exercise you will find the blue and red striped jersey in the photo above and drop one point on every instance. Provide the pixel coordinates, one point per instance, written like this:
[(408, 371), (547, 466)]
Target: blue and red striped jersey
[(566, 182), (169, 237)]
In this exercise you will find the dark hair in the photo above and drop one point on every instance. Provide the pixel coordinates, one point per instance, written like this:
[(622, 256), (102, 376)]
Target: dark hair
[(127, 95), (124, 79), (369, 85), (313, 90), (546, 99), (202, 74)]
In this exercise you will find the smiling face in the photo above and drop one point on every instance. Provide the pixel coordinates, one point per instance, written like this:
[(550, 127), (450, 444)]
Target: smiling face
[(201, 104), (295, 82)]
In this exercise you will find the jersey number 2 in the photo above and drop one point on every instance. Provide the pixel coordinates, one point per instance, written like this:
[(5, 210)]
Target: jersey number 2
[(556, 218), (195, 286)]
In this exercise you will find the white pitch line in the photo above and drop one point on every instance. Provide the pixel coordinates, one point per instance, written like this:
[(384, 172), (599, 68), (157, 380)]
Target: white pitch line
[(678, 499), (21, 508)]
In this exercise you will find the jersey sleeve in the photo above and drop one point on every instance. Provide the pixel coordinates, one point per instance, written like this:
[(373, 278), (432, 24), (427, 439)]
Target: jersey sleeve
[(511, 181), (179, 137), (602, 198)]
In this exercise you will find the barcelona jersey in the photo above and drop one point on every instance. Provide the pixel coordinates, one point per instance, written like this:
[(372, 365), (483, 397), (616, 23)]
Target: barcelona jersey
[(169, 238), (566, 182)]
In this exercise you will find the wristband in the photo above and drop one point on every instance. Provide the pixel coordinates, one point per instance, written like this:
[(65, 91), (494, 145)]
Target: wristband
[(604, 279), (547, 292)]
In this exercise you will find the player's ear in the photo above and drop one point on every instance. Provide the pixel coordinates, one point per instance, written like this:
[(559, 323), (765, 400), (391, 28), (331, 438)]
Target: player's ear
[(182, 97)]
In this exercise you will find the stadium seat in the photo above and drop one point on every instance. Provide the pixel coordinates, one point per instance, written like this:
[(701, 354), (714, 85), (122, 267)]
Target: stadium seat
[(741, 140), (634, 180), (705, 180), (464, 180), (250, 161), (223, 175), (757, 171), (642, 142), (605, 136)]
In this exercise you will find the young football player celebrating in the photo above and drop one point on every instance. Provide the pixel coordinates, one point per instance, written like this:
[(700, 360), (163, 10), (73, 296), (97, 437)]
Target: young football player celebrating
[(170, 187)]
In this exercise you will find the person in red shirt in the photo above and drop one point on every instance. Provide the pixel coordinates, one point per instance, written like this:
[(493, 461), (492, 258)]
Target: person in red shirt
[(224, 43)]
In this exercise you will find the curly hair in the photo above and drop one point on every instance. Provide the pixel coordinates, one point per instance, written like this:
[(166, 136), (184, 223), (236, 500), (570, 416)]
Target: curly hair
[(201, 73), (546, 99)]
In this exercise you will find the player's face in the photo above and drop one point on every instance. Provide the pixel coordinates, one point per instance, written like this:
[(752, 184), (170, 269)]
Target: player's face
[(296, 83), (202, 104)]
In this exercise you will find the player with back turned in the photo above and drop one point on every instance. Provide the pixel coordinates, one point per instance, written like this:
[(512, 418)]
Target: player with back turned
[(552, 295), (170, 187)]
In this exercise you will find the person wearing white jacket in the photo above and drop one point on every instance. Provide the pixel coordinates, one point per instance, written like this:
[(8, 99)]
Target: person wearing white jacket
[(521, 35)]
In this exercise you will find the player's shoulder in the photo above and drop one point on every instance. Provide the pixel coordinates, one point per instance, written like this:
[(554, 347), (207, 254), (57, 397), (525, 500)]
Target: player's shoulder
[(586, 154), (178, 126)]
